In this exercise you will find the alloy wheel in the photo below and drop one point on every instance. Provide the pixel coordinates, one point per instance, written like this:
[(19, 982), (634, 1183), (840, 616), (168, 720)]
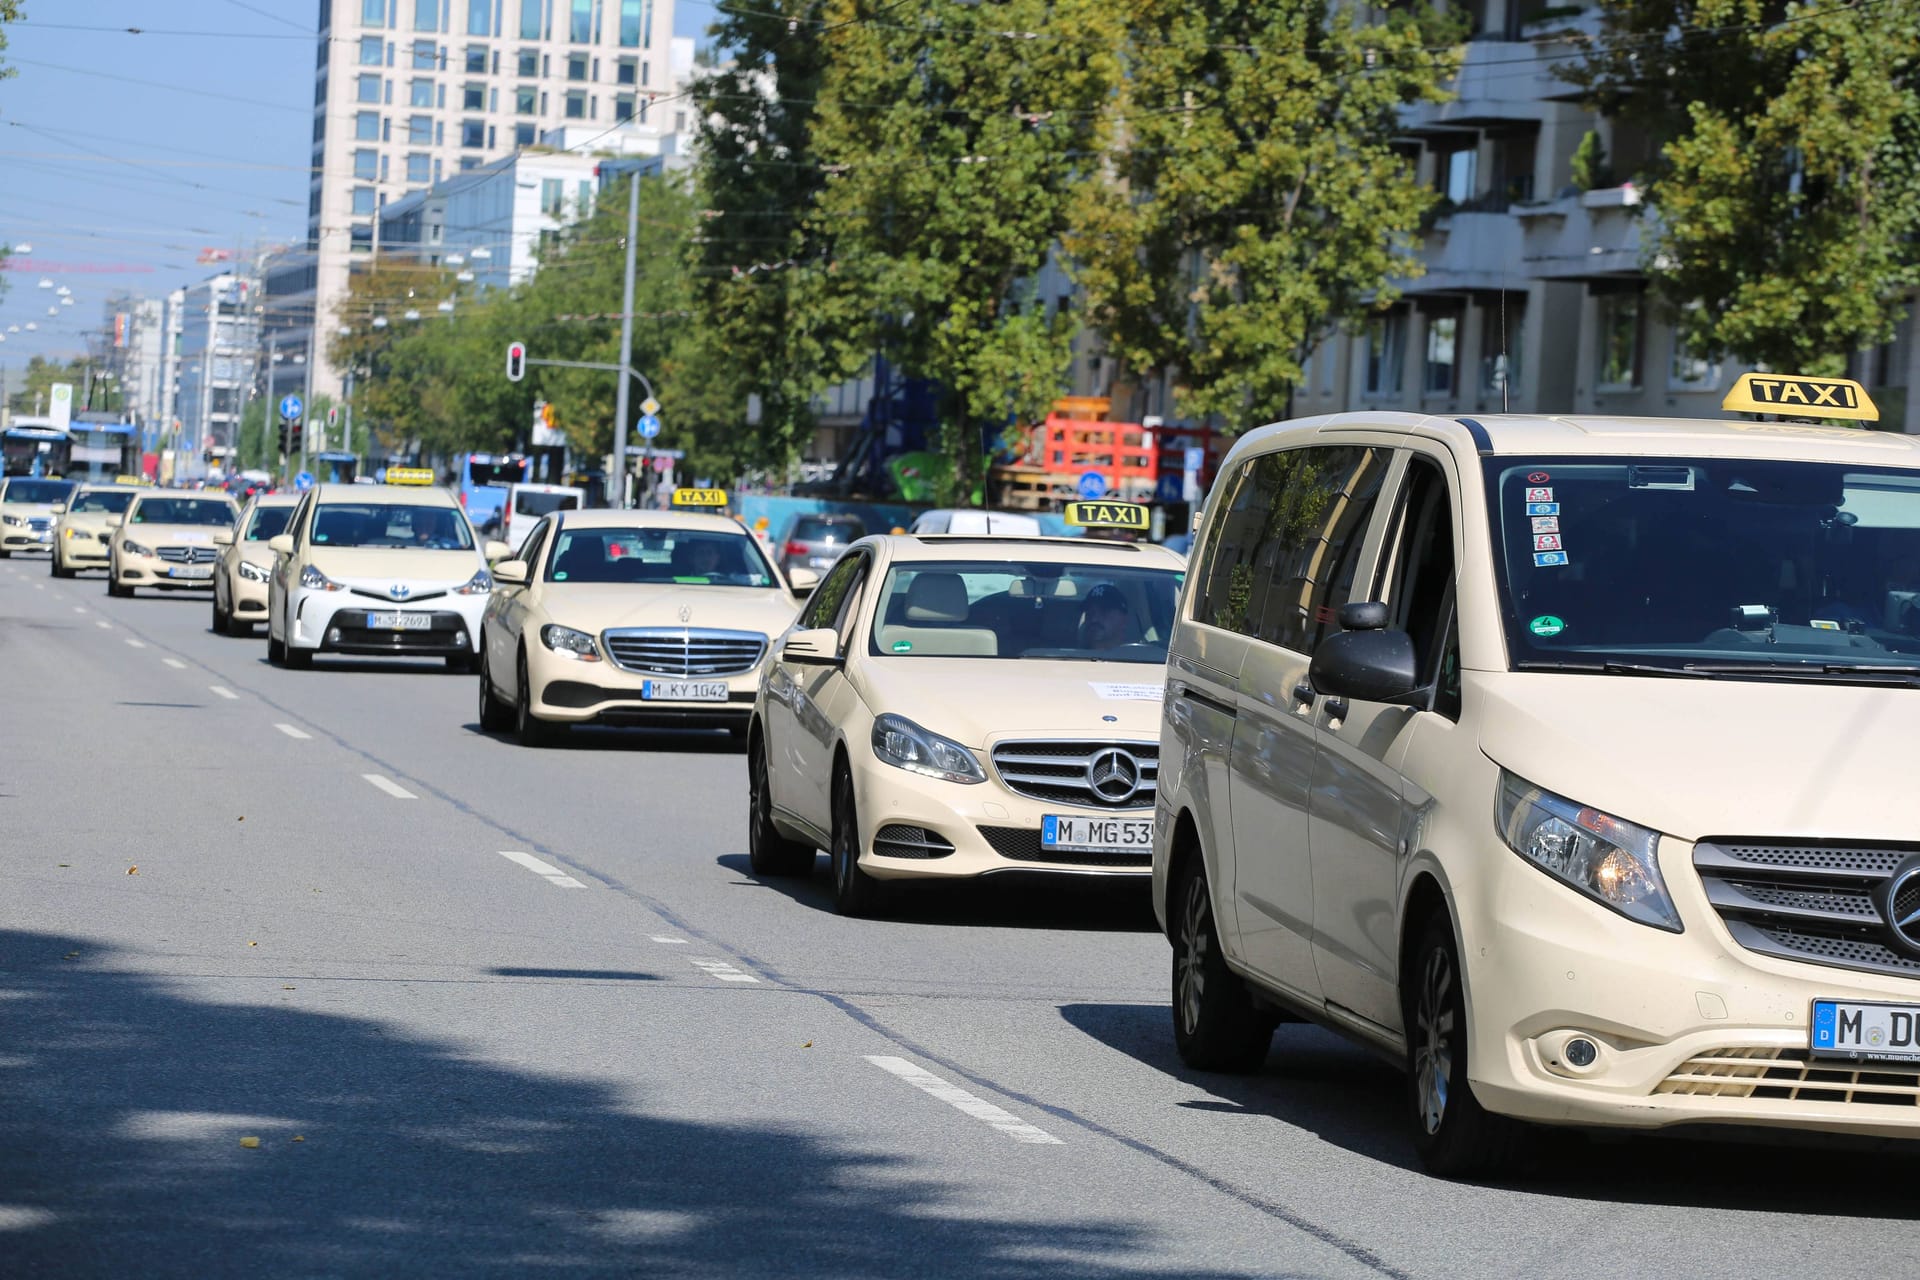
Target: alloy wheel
[(1196, 940), (1433, 1031)]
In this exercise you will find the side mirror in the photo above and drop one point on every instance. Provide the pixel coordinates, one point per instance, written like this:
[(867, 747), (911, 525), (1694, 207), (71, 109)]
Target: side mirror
[(802, 581), (819, 647), (59, 508), (281, 544), (115, 522), (223, 538), (510, 573), (1367, 666), (496, 550)]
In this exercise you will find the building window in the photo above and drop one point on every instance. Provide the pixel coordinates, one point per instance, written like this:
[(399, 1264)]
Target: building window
[(473, 98), (469, 162), (679, 121), (577, 66), (645, 69), (1691, 372), (1443, 358), (523, 135), (580, 29), (473, 133), (623, 107), (528, 64), (426, 55), (576, 105), (1501, 326), (367, 89), (426, 15), (529, 19), (630, 24), (373, 51), (420, 130), (1454, 172), (1386, 346), (1620, 315), (526, 100), (626, 71), (419, 167), (476, 59), (366, 163), (363, 201), (373, 13), (552, 193), (583, 195), (479, 17), (420, 93), (362, 237), (366, 126)]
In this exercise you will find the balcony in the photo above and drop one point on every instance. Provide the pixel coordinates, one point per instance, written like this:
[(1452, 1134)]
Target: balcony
[(1595, 235), (1470, 250)]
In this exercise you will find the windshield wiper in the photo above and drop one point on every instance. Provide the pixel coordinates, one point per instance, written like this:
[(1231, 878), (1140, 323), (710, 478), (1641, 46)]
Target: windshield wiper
[(1619, 669), (1864, 673)]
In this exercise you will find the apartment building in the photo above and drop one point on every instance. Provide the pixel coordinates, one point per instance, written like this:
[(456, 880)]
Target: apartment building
[(218, 337), (408, 93)]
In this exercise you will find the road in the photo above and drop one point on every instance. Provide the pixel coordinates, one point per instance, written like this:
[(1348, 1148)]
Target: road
[(491, 1011)]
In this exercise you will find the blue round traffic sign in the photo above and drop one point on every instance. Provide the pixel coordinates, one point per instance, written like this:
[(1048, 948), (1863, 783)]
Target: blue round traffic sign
[(649, 425), (290, 407), (1092, 484), (303, 481)]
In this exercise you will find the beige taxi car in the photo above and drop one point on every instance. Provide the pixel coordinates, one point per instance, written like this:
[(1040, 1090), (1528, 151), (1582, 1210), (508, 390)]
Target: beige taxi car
[(27, 512), (1567, 760), (83, 527), (960, 706), (386, 570), (245, 566), (165, 541), (651, 618)]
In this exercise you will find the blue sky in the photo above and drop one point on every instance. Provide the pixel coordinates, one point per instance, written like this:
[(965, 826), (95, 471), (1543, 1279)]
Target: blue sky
[(131, 153)]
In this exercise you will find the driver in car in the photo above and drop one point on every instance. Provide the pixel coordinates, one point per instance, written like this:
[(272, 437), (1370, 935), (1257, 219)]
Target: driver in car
[(1105, 620)]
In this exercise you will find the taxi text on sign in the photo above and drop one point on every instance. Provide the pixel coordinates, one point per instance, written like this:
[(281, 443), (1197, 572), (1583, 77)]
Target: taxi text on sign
[(699, 497), (1805, 397), (409, 475), (1106, 515)]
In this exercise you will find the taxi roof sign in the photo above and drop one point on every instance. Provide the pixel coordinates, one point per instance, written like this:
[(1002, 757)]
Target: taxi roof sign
[(1107, 515), (699, 497), (409, 475), (123, 478), (1802, 397)]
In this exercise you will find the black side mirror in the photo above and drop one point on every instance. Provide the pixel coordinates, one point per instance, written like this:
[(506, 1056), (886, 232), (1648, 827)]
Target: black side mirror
[(1366, 666), (1363, 615)]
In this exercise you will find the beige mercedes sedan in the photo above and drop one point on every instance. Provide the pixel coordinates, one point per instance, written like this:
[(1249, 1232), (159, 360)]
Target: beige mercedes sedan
[(653, 618), (26, 512), (83, 527), (245, 566), (165, 541), (950, 707)]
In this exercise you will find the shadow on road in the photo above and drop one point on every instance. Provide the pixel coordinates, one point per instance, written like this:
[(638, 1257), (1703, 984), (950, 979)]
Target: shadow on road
[(123, 1106), (593, 737), (1315, 1081)]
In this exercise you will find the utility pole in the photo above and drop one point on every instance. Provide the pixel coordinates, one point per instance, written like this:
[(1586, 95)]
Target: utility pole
[(626, 344)]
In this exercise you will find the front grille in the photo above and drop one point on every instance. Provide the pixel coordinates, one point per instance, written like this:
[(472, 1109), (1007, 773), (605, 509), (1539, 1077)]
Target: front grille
[(1022, 844), (897, 840), (1813, 903), (39, 524), (189, 555), (684, 651), (1792, 1075), (393, 599), (1063, 771)]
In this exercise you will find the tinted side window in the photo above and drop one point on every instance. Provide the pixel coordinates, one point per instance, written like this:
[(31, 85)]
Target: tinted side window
[(1331, 495), (1420, 592), (823, 606), (1232, 534), (531, 548)]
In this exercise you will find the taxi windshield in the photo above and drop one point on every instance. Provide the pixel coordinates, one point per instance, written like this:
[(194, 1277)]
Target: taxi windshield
[(196, 511), (394, 525), (268, 522), (1708, 566), (108, 501), (699, 558), (1098, 611), (38, 491)]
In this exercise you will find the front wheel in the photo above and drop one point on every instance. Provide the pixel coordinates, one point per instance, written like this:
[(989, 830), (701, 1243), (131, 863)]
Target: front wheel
[(60, 570), (533, 731), (1216, 1025), (276, 649), (855, 893), (460, 663), (1455, 1136), (222, 620), (495, 715), (769, 852)]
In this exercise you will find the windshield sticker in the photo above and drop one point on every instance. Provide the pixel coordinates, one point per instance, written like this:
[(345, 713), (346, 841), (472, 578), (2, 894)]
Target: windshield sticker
[(1546, 625), (1545, 559), (1547, 542), (1538, 477), (559, 575), (1539, 495), (1128, 692), (903, 646), (1543, 508), (1546, 524), (1821, 624)]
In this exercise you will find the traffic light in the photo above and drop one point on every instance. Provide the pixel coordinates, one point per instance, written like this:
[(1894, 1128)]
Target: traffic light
[(292, 436), (516, 361)]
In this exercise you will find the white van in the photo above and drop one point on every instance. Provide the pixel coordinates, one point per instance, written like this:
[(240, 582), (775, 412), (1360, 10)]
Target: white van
[(526, 503), (973, 522), (1568, 760)]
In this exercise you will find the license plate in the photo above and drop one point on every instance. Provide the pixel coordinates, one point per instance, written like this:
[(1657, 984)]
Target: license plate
[(820, 562), (191, 571), (684, 690), (399, 622), (1865, 1029), (1095, 835)]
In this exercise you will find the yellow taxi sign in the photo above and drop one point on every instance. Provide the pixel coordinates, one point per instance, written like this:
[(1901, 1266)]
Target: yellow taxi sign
[(409, 475), (699, 497), (127, 479), (1802, 397), (1107, 515)]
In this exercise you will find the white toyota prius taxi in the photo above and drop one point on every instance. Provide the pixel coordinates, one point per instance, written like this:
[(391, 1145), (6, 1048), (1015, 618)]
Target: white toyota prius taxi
[(385, 570), (961, 706)]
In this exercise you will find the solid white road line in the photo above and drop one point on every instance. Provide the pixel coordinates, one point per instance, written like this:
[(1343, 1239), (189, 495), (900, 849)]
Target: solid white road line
[(136, 644), (546, 870), (224, 692), (669, 942), (292, 732), (953, 1095), (389, 786), (721, 970), (175, 663)]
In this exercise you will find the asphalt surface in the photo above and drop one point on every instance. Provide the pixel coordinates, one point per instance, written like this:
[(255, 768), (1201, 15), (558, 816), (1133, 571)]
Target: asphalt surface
[(244, 903)]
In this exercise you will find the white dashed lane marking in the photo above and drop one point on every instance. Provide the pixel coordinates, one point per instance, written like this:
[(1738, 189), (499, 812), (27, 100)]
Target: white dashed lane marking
[(669, 942), (721, 970), (79, 608), (292, 732), (224, 692), (175, 663), (546, 870), (104, 626), (954, 1096), (136, 644), (389, 786)]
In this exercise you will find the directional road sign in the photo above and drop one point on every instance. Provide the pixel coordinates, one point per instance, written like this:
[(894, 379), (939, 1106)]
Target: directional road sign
[(290, 407), (650, 425), (1092, 484), (303, 481)]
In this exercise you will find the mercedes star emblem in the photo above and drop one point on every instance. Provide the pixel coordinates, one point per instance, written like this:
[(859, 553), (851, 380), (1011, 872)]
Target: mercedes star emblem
[(1114, 775), (1899, 902), (686, 613)]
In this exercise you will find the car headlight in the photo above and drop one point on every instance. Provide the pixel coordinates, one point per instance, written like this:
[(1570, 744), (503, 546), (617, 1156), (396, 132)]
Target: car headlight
[(133, 548), (905, 745), (569, 643), (478, 585), (318, 581), (252, 572), (15, 521), (1609, 859)]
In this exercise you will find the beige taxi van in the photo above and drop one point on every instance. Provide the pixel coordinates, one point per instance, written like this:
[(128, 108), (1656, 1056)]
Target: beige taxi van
[(1567, 760)]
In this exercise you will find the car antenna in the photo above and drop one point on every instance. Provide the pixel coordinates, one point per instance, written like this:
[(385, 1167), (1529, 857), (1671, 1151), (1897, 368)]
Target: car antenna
[(1506, 360)]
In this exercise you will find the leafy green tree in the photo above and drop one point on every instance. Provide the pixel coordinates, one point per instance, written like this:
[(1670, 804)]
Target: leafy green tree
[(1255, 197), (1787, 184)]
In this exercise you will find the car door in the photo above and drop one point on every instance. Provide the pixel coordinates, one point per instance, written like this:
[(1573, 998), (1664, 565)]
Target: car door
[(799, 734), (286, 568), (1317, 502), (507, 613), (1362, 819)]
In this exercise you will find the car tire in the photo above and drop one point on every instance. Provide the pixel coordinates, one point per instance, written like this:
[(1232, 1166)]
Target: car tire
[(238, 628), (115, 590), (298, 659), (531, 729), (222, 620), (855, 893), (59, 570), (6, 555), (1454, 1135), (769, 852), (276, 650), (1216, 1025), (460, 663), (495, 715)]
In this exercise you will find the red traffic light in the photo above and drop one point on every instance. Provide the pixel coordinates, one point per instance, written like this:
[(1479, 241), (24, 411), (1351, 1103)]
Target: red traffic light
[(516, 361)]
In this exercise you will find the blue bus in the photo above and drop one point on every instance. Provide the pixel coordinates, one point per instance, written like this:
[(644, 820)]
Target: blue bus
[(484, 478), (91, 451)]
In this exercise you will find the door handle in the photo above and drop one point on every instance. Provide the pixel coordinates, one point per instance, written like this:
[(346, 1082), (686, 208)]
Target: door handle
[(1336, 708), (1303, 694)]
